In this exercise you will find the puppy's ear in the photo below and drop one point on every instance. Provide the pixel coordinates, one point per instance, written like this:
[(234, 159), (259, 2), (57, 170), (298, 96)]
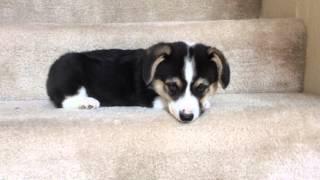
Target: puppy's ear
[(222, 65), (155, 55)]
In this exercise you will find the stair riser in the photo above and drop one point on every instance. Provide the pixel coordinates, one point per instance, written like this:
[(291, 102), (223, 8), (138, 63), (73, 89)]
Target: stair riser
[(102, 11), (264, 55)]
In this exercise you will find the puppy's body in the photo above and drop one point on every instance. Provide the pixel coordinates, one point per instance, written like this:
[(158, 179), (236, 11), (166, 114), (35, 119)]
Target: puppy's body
[(172, 75), (113, 77)]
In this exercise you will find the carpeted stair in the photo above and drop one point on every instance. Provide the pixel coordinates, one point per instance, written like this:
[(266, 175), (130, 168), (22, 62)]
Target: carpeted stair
[(111, 11), (263, 127)]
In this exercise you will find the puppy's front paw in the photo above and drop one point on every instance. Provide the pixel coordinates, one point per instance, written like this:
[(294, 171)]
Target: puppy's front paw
[(206, 104), (159, 103), (80, 103)]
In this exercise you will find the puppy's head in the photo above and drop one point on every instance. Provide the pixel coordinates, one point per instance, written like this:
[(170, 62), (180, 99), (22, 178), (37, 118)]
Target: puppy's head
[(185, 75)]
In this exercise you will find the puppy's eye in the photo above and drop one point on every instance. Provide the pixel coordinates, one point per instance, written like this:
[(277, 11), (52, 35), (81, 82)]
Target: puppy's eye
[(201, 88), (172, 88)]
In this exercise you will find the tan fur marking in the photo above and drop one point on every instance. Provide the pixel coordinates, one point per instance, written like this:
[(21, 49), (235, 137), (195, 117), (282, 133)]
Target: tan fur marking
[(212, 90), (159, 86), (162, 50), (216, 58), (201, 81), (158, 53), (218, 62), (154, 66), (175, 80)]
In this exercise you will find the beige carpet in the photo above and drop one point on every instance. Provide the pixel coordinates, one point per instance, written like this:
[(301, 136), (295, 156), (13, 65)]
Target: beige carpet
[(108, 11), (253, 136)]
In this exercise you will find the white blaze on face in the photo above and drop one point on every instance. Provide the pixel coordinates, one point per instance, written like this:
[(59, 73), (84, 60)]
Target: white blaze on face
[(188, 103)]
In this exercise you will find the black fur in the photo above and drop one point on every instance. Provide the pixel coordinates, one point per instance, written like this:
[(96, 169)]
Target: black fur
[(111, 76)]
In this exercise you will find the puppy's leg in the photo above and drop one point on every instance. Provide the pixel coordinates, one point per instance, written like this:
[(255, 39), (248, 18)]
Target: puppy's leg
[(66, 83), (80, 101), (206, 104)]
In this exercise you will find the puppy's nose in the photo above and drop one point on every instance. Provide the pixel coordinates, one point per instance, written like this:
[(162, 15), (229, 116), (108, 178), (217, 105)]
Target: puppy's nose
[(186, 117)]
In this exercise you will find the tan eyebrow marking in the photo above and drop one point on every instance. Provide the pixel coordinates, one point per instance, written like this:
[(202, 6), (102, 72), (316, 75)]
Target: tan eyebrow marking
[(175, 80), (201, 81), (159, 86), (212, 90)]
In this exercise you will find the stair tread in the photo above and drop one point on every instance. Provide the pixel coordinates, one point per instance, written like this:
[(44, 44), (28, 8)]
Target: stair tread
[(221, 103), (251, 136)]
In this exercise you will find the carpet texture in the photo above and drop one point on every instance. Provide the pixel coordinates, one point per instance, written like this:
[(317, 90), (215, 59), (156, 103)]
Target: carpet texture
[(106, 11), (244, 136), (264, 55)]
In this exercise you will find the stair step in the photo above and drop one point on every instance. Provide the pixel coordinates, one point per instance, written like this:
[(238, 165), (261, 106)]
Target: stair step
[(102, 11), (264, 55), (279, 132), (43, 110)]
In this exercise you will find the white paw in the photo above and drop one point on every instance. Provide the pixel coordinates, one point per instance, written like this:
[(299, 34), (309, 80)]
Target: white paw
[(80, 103), (159, 103), (206, 104), (89, 103)]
